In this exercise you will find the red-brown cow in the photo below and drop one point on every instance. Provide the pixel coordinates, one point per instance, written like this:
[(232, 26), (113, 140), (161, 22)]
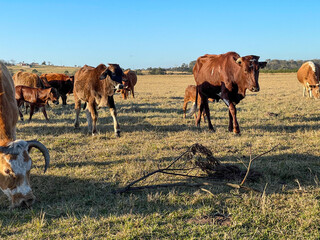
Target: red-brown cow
[(130, 78), (62, 82), (36, 97), (15, 162), (308, 75), (227, 77), (96, 87), (190, 96)]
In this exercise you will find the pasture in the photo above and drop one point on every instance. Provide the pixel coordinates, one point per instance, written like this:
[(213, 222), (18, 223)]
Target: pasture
[(75, 198)]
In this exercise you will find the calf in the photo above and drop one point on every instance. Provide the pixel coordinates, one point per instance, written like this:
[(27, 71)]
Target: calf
[(96, 87), (62, 82), (130, 78), (309, 76), (226, 77), (36, 97), (190, 96)]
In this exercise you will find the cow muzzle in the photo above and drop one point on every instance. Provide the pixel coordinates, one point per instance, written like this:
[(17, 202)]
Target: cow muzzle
[(118, 87), (23, 201), (255, 89)]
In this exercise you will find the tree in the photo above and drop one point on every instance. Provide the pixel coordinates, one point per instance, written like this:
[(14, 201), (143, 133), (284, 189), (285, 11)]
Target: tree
[(44, 63)]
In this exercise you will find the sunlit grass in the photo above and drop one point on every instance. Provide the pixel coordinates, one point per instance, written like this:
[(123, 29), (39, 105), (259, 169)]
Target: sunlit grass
[(75, 199)]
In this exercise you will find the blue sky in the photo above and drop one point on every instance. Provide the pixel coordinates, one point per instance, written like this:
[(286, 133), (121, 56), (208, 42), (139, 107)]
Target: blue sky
[(141, 33)]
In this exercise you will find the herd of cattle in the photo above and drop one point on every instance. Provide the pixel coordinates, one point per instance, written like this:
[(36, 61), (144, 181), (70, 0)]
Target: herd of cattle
[(223, 77)]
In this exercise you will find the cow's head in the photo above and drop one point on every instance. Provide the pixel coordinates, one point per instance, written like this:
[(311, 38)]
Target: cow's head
[(54, 96), (313, 89), (70, 84), (250, 67), (15, 165), (115, 74)]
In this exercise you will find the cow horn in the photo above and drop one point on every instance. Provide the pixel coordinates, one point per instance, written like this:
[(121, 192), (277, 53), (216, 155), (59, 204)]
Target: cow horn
[(239, 60), (43, 149)]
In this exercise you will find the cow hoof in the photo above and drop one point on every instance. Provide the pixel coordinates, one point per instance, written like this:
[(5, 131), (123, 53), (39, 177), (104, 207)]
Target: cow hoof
[(76, 125), (117, 134), (212, 130), (237, 133)]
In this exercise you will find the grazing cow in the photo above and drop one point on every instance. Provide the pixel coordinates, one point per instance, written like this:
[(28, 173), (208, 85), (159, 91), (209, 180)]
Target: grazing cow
[(29, 79), (129, 83), (190, 96), (62, 82), (36, 97), (96, 87), (308, 75), (227, 77), (15, 162)]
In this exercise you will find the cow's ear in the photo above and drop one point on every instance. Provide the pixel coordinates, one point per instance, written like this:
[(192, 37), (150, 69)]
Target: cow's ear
[(104, 74), (262, 64)]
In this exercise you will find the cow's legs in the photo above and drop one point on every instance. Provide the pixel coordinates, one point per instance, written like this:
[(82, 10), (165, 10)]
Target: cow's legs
[(89, 120), (199, 114), (20, 114), (19, 104), (184, 108), (31, 111), (64, 99), (93, 118), (45, 113), (233, 123), (206, 108), (113, 112), (77, 107), (132, 92)]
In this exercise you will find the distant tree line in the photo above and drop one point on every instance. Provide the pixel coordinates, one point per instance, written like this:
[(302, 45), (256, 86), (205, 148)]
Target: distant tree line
[(273, 66)]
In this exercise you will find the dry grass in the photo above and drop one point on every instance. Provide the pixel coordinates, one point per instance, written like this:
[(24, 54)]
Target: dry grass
[(75, 199)]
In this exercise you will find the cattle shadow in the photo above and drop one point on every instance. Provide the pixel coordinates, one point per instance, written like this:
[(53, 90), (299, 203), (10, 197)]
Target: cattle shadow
[(65, 196), (284, 128)]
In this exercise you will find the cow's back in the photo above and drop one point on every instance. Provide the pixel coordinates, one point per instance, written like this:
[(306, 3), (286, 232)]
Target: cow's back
[(212, 68), (54, 77), (27, 79), (8, 106)]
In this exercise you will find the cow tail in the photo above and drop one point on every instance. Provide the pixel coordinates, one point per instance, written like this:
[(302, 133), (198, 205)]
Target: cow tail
[(194, 106)]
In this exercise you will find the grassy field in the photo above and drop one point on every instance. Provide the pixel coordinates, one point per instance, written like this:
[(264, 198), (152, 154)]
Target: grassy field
[(75, 198), (44, 69)]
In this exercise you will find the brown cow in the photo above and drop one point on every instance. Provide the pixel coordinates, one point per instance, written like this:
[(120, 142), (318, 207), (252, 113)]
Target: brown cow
[(36, 97), (129, 83), (96, 87), (62, 82), (227, 77), (29, 79), (15, 162), (308, 75), (190, 96)]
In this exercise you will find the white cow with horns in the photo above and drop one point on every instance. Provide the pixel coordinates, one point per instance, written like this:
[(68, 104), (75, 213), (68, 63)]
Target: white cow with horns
[(15, 162)]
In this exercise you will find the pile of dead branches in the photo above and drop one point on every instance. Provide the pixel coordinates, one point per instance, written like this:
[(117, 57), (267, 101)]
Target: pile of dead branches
[(198, 162)]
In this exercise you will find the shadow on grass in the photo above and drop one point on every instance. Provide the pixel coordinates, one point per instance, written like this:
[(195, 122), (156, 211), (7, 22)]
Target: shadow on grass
[(65, 196)]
